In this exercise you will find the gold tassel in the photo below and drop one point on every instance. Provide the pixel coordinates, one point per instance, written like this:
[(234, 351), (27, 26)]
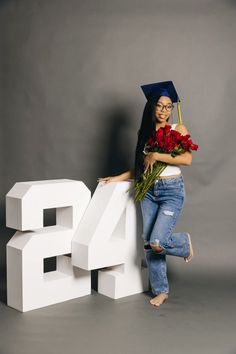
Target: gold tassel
[(179, 113)]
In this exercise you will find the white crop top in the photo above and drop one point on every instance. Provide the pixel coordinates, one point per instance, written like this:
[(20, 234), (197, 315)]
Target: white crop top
[(171, 169)]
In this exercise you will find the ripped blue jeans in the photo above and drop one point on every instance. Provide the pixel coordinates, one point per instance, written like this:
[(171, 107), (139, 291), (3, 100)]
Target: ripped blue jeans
[(161, 208)]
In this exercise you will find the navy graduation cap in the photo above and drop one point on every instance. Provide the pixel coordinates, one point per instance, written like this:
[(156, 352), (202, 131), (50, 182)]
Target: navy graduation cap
[(163, 88)]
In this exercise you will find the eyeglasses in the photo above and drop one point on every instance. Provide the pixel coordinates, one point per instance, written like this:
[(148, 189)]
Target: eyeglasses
[(168, 106)]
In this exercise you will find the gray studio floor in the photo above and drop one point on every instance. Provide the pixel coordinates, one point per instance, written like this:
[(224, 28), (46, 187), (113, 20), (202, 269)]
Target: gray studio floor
[(199, 317)]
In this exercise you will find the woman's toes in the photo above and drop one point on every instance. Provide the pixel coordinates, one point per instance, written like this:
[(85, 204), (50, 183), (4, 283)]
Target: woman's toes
[(152, 301), (159, 299)]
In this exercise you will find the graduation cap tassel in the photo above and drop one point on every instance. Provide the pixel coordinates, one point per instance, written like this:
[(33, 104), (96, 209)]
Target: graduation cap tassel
[(179, 113)]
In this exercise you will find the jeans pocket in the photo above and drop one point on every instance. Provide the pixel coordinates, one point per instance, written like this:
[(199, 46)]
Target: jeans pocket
[(175, 189)]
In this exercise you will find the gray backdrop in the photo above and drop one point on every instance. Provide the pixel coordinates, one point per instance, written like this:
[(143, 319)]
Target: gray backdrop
[(71, 104), (70, 107)]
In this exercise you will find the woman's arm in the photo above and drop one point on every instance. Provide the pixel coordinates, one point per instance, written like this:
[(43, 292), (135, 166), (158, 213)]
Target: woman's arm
[(183, 159), (127, 175), (122, 177)]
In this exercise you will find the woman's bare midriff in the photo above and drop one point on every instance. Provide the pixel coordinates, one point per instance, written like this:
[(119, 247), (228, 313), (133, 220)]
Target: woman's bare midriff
[(171, 176)]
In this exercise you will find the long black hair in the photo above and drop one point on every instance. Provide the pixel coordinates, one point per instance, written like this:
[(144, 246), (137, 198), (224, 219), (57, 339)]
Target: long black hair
[(148, 125)]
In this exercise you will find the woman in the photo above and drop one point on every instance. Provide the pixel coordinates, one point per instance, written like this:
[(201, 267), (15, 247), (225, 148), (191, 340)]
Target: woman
[(163, 201)]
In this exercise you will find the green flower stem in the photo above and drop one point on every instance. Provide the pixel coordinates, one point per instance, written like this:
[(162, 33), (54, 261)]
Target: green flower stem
[(148, 179)]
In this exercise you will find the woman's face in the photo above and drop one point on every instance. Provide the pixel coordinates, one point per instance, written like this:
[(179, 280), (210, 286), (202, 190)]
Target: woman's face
[(163, 108)]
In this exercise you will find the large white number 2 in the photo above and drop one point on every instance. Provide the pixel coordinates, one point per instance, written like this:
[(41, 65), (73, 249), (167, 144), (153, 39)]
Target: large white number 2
[(90, 233)]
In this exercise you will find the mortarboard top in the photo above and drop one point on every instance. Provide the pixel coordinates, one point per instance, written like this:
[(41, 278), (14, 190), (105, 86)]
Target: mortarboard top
[(163, 88)]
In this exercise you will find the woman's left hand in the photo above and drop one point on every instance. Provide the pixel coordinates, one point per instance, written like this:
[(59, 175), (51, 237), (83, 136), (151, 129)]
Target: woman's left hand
[(149, 160)]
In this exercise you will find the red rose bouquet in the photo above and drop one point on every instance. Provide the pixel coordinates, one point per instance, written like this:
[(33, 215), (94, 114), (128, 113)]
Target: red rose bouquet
[(164, 140)]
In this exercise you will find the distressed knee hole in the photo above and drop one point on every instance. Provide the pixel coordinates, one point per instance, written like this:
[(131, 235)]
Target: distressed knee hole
[(168, 212), (156, 246)]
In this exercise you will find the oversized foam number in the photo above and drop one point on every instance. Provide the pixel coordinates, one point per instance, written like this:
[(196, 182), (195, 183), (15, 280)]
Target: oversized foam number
[(28, 287), (109, 236)]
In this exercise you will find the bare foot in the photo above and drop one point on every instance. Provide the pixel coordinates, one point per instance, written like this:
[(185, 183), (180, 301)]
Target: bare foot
[(159, 299), (190, 256)]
